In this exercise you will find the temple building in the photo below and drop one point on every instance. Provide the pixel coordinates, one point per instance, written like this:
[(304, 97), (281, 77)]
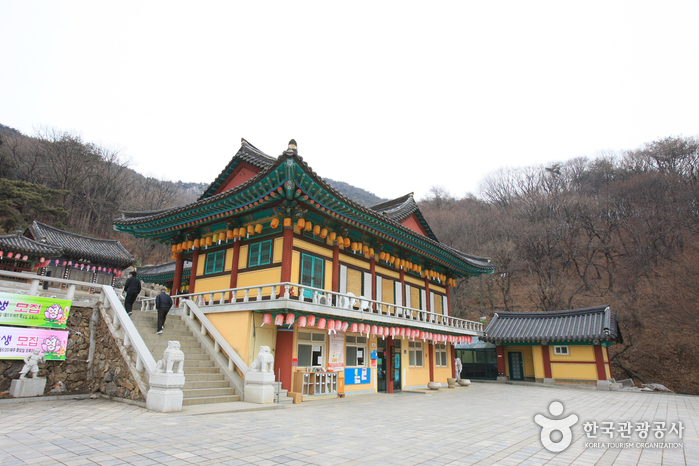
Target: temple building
[(569, 347), (82, 258), (338, 291), (21, 254)]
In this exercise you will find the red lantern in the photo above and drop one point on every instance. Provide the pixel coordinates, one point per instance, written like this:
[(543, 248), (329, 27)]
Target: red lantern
[(266, 319), (345, 325), (279, 319), (302, 321), (10, 254), (353, 328), (311, 321), (331, 326), (402, 331), (24, 258), (321, 323), (290, 319)]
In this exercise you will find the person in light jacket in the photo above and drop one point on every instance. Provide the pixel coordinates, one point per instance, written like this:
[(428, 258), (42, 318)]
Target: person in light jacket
[(163, 303), (132, 288)]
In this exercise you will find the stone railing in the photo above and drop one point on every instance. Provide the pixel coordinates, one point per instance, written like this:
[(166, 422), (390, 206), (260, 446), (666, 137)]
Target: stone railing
[(327, 302)]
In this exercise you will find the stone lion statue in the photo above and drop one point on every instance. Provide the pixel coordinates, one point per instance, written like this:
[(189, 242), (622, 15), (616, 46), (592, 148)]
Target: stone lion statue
[(173, 354), (458, 367), (264, 361)]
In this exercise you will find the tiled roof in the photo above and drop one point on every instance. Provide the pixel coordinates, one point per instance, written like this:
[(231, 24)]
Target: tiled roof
[(141, 217), (24, 245), (400, 208), (105, 251), (587, 324), (247, 153), (162, 273)]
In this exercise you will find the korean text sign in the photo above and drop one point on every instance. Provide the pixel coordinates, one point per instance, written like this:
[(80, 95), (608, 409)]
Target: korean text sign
[(16, 342), (33, 311)]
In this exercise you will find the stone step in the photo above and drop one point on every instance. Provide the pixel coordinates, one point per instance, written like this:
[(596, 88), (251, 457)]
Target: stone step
[(210, 399), (193, 384), (204, 363), (207, 392), (201, 370), (204, 377), (186, 349)]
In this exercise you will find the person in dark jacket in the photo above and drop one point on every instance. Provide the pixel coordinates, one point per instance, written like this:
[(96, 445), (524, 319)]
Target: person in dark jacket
[(132, 287), (163, 303)]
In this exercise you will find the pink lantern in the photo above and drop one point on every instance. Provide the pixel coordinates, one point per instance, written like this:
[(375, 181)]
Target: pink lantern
[(353, 328), (311, 320), (413, 334), (374, 329), (290, 318), (393, 331), (266, 319), (9, 255), (345, 325), (24, 258), (386, 331), (422, 335), (331, 326), (402, 331), (302, 321), (321, 323), (279, 319), (64, 263), (40, 260), (70, 263), (1, 253), (110, 270), (360, 327)]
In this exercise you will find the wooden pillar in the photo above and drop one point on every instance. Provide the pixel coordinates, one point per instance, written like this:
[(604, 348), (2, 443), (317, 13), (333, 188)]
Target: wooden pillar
[(452, 355), (193, 271), (234, 269), (546, 356), (448, 310), (372, 270), (336, 267), (177, 282), (500, 350), (599, 362), (427, 294), (431, 347), (287, 256), (389, 365)]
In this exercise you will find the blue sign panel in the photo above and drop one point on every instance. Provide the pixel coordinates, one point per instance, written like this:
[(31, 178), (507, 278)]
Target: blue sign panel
[(357, 376)]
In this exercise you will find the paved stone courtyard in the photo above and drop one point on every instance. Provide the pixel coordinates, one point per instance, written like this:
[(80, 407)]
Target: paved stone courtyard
[(484, 424)]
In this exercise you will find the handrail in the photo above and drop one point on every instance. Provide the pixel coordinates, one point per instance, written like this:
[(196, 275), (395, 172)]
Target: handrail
[(192, 310), (37, 279), (132, 338), (367, 306)]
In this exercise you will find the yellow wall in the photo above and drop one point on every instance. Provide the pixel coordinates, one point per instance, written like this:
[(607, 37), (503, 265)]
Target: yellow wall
[(538, 360), (259, 277), (417, 376), (355, 260), (328, 282), (576, 353), (387, 272), (315, 248), (414, 281), (277, 250), (262, 336), (574, 371), (228, 264), (201, 264), (236, 329), (221, 282), (243, 258), (527, 360)]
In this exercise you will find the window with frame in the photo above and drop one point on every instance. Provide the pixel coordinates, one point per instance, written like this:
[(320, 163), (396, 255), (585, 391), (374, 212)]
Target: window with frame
[(355, 351), (311, 273), (440, 354), (561, 350), (260, 253), (415, 354), (214, 262), (311, 349)]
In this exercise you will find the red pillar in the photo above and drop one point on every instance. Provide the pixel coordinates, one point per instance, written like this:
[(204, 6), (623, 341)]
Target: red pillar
[(193, 272), (427, 294), (389, 365), (599, 362), (546, 353), (452, 352), (336, 268), (431, 347), (177, 282), (500, 350), (287, 256), (234, 268)]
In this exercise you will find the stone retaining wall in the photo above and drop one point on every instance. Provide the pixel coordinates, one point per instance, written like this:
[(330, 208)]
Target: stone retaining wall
[(107, 374)]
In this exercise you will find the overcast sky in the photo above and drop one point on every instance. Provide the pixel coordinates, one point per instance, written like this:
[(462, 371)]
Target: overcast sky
[(392, 97)]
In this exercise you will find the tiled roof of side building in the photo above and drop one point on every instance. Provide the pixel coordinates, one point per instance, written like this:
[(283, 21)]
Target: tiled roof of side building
[(107, 251), (19, 243), (586, 324), (160, 269), (247, 153)]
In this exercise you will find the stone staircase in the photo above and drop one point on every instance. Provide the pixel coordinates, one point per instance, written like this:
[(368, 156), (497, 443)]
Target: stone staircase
[(204, 382)]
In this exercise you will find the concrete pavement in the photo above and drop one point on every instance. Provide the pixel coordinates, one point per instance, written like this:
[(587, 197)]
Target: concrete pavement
[(486, 423)]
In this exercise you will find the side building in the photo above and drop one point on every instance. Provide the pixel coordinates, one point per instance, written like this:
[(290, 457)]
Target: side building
[(331, 286), (560, 346)]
